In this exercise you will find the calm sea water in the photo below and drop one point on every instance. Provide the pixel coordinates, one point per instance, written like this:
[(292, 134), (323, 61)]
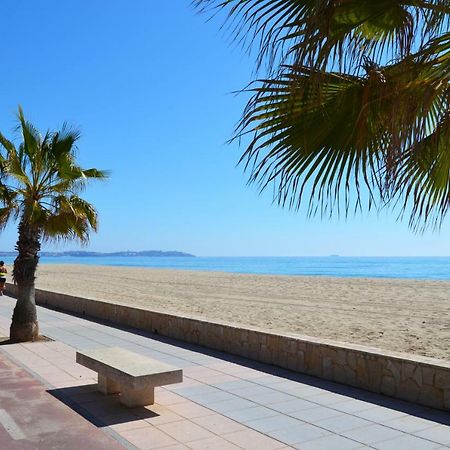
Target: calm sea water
[(395, 267)]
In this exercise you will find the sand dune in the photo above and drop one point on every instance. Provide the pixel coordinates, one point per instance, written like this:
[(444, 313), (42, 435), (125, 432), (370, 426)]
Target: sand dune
[(401, 315)]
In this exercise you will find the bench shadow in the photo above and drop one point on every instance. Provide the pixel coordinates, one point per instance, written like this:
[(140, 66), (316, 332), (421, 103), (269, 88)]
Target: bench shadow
[(423, 412), (99, 409)]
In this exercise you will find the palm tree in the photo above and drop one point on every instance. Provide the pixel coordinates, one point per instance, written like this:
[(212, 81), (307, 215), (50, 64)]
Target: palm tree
[(353, 108), (39, 186)]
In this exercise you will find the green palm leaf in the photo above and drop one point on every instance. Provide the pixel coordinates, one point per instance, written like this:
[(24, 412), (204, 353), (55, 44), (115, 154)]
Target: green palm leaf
[(355, 104)]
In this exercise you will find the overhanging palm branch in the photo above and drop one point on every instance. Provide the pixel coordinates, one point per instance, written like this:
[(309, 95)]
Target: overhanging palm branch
[(356, 99)]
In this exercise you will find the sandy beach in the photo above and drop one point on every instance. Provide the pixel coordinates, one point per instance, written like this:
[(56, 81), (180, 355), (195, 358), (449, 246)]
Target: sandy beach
[(394, 314)]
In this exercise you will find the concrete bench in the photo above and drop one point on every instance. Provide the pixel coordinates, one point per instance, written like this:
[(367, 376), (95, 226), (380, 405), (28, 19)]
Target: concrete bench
[(133, 376)]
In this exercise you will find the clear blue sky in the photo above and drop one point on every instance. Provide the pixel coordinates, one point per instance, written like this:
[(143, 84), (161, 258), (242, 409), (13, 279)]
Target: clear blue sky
[(149, 84)]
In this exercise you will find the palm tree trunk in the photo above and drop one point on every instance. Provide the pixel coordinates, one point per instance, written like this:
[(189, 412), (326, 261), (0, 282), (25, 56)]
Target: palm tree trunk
[(24, 326)]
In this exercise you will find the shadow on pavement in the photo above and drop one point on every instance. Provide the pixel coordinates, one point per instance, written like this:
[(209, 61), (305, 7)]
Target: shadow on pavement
[(99, 409)]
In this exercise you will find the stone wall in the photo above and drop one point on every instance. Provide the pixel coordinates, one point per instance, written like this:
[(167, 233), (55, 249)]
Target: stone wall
[(421, 380)]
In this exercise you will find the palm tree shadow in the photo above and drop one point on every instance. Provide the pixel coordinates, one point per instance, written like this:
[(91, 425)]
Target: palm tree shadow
[(7, 341), (99, 409)]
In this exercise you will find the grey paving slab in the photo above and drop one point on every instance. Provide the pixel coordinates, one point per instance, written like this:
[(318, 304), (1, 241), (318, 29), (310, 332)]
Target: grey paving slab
[(344, 422), (327, 398), (247, 414), (407, 442), (372, 434), (232, 386), (352, 406), (330, 442), (255, 391), (231, 405), (276, 422), (409, 424), (292, 406), (206, 399), (282, 385), (299, 434), (272, 398), (268, 380), (313, 415), (380, 414), (439, 434)]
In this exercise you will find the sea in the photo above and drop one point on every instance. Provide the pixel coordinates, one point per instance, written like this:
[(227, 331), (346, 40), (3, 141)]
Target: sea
[(427, 268)]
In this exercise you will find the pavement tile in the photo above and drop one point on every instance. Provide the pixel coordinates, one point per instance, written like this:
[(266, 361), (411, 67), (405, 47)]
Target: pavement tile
[(439, 434), (327, 399), (330, 442), (246, 374), (372, 434), (213, 443), (254, 391), (190, 410), (298, 433), (129, 425), (272, 398), (407, 442), (187, 382), (246, 414), (292, 405), (148, 438), (231, 405), (185, 431), (344, 422), (200, 371), (379, 414), (252, 440), (165, 397), (313, 415), (268, 380), (175, 447), (161, 415), (218, 380), (276, 422), (218, 424), (205, 399), (303, 390), (238, 384), (352, 405), (409, 424)]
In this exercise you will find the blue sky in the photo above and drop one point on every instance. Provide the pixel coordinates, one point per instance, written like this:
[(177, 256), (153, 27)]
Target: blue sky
[(149, 84)]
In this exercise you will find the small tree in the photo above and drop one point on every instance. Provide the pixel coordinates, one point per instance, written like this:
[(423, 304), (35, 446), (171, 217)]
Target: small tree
[(39, 186)]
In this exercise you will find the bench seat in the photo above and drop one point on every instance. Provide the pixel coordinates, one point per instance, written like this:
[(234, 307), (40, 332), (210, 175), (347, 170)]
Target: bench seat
[(132, 375)]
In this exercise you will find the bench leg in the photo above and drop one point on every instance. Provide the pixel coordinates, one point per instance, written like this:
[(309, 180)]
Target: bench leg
[(107, 386), (137, 397)]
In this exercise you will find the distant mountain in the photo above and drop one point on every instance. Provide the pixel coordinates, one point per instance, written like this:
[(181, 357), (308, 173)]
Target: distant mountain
[(154, 253)]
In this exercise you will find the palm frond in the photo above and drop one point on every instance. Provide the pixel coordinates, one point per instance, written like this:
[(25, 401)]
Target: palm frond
[(355, 105), (41, 179)]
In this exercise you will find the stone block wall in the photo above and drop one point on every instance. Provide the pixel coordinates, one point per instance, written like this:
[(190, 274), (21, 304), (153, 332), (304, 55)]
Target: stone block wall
[(421, 380)]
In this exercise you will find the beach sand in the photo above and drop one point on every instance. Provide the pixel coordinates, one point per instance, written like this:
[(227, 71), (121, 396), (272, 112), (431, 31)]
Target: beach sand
[(393, 314)]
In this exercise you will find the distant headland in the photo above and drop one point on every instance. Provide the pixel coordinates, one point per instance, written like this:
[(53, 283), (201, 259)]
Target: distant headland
[(126, 254)]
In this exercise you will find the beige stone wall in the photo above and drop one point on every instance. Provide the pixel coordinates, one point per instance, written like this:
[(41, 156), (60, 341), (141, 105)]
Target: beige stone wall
[(417, 379)]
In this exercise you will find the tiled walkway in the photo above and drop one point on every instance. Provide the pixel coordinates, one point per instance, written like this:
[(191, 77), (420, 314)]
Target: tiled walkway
[(31, 418), (224, 402)]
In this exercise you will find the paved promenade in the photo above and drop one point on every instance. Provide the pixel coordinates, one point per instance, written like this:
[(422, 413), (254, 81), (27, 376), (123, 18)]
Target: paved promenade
[(223, 403)]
